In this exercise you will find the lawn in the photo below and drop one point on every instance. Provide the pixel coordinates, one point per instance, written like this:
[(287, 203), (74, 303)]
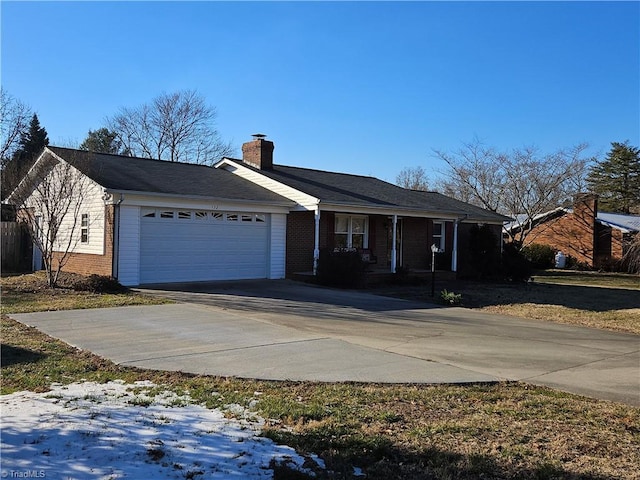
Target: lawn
[(504, 430), (608, 301), (30, 293)]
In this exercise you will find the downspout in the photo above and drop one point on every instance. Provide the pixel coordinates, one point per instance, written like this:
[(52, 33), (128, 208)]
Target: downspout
[(316, 240), (116, 238)]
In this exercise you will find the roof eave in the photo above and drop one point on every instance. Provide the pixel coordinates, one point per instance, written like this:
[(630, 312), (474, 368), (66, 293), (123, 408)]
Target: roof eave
[(272, 203), (346, 207)]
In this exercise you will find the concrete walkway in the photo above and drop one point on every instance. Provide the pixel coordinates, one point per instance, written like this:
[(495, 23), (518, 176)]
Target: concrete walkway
[(285, 330)]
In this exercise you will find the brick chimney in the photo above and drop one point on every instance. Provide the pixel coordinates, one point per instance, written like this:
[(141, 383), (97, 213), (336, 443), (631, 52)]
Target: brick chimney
[(585, 210), (258, 153), (585, 207)]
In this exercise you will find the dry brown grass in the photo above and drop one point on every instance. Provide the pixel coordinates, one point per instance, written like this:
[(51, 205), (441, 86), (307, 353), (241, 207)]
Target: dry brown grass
[(497, 431), (607, 301), (30, 293)]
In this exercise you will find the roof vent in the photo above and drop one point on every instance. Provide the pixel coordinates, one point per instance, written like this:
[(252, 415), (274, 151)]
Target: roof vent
[(258, 136)]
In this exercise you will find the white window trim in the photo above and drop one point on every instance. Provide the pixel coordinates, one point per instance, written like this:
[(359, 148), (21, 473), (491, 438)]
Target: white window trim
[(84, 228), (442, 235), (349, 232)]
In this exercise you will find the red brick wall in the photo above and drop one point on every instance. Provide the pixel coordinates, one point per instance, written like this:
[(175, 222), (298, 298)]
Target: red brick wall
[(617, 244), (300, 241), (573, 233), (88, 264), (416, 244), (379, 239)]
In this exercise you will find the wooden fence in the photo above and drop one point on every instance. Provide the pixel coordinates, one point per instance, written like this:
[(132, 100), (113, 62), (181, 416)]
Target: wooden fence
[(16, 248)]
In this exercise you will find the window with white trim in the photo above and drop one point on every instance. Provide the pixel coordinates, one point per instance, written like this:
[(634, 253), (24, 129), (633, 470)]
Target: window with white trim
[(438, 235), (351, 231), (84, 228)]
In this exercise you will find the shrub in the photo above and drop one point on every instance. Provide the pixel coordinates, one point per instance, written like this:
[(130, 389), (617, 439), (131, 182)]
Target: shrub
[(573, 264), (343, 268), (98, 284), (485, 251), (540, 256), (450, 298), (515, 266)]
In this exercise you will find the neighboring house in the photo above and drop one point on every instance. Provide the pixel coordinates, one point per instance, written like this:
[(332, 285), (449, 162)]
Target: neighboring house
[(596, 239), (150, 221)]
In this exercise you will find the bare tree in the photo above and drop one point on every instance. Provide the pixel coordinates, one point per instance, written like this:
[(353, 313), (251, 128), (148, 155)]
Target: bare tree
[(14, 125), (631, 256), (178, 127), (14, 121), (49, 200), (521, 184), (413, 178)]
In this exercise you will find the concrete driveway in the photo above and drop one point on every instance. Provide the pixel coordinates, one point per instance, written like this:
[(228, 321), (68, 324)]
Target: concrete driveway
[(287, 330)]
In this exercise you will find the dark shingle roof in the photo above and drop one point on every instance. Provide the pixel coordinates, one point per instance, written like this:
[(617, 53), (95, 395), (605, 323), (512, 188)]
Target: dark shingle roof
[(121, 173), (342, 188)]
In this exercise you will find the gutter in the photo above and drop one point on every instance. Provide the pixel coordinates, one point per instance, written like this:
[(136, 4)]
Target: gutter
[(284, 203)]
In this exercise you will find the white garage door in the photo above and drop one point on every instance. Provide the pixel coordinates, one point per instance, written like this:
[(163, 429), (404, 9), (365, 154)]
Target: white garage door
[(194, 245)]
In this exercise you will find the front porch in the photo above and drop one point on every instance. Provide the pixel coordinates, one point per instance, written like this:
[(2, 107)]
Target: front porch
[(389, 243), (382, 275)]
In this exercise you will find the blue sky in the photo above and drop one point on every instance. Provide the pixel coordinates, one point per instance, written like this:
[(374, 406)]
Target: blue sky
[(359, 87)]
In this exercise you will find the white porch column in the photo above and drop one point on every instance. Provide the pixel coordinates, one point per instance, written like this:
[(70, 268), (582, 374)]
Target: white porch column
[(316, 241), (393, 244), (454, 254)]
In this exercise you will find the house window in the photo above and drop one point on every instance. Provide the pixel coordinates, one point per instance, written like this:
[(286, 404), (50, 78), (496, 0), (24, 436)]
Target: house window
[(84, 228), (438, 235), (351, 231)]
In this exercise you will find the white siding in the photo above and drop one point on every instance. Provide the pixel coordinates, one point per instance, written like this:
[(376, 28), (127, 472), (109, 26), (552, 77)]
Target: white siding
[(129, 246), (93, 205), (278, 244), (286, 191), (85, 198)]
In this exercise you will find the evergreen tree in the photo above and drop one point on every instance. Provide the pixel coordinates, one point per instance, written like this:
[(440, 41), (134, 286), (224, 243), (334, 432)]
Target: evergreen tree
[(31, 143), (102, 140), (616, 179)]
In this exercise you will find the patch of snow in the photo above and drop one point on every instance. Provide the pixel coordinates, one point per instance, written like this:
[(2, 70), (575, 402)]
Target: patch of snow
[(114, 430)]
